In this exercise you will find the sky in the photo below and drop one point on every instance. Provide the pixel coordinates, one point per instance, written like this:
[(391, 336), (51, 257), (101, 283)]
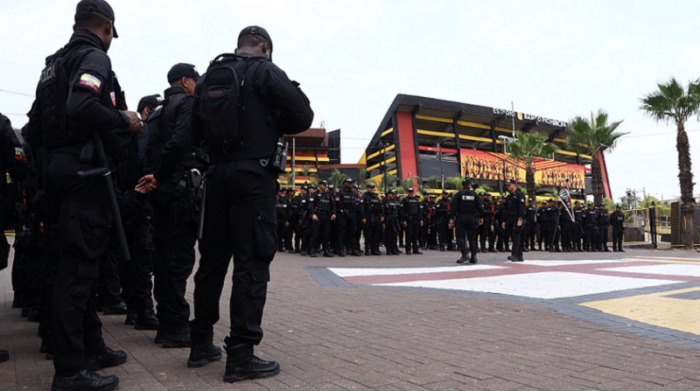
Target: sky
[(556, 59)]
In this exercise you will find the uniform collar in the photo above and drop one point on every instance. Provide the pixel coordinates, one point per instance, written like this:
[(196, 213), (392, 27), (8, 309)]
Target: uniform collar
[(174, 91)]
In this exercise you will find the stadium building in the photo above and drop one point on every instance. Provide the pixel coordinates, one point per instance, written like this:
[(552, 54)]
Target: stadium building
[(430, 140)]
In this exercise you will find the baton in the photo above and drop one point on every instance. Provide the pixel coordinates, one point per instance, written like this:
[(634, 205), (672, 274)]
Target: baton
[(105, 173)]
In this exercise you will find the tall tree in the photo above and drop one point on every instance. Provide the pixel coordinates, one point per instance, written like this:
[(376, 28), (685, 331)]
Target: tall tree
[(527, 147), (593, 138), (336, 178), (673, 102)]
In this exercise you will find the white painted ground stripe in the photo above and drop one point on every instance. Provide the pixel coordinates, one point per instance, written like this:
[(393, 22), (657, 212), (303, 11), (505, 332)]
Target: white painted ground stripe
[(568, 263), (545, 285), (667, 270), (358, 272)]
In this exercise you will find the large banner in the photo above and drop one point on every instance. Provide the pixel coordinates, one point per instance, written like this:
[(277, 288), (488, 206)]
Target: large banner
[(548, 174), (489, 166), (497, 166)]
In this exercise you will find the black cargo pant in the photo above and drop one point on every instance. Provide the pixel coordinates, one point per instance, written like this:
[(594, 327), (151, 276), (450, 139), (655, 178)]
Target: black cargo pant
[(175, 234), (239, 221), (373, 232), (412, 233), (390, 235), (465, 225), (81, 208), (346, 231), (321, 232), (617, 232), (516, 233), (138, 280)]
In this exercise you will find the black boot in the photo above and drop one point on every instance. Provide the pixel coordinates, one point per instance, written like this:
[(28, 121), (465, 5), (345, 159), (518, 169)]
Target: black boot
[(203, 351), (4, 355), (176, 339), (242, 364), (146, 320), (108, 358), (115, 309), (463, 258), (84, 380), (130, 318), (473, 258)]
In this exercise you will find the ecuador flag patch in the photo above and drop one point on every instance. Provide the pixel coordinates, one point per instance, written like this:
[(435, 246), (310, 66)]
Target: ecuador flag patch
[(90, 81)]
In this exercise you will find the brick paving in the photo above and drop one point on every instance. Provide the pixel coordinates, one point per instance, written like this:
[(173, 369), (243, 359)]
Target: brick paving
[(329, 334)]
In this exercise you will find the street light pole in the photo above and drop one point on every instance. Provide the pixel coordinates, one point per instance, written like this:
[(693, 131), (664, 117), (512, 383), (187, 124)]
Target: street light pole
[(382, 164)]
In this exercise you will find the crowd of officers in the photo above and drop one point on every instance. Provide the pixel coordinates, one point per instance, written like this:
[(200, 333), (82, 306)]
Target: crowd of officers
[(324, 219), (94, 165)]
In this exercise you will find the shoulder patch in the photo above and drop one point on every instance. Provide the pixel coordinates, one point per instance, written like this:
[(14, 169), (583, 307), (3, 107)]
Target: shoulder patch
[(90, 81), (19, 154)]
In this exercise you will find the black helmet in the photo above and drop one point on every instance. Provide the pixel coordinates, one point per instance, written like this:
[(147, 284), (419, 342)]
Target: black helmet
[(466, 181), (347, 180)]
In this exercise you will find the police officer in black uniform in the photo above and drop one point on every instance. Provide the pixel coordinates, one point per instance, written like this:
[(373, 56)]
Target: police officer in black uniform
[(392, 222), (322, 211), (617, 220), (305, 218), (93, 104), (292, 234), (565, 226), (412, 221), (443, 208), (515, 210), (541, 222), (501, 232), (425, 226), (360, 213), (137, 216), (174, 174), (239, 217), (590, 223), (529, 229), (14, 162), (467, 212), (603, 225), (548, 223), (333, 237), (487, 230), (348, 208), (372, 218), (577, 227)]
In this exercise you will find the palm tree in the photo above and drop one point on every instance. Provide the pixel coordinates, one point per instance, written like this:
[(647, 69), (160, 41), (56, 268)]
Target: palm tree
[(306, 172), (456, 182), (593, 138), (526, 147), (409, 182), (433, 182), (673, 102), (362, 177), (336, 178)]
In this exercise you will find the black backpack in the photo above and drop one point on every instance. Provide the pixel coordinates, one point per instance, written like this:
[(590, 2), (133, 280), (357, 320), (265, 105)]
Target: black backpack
[(218, 93), (48, 122)]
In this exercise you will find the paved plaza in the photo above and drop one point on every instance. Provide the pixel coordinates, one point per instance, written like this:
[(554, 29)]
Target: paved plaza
[(558, 321)]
